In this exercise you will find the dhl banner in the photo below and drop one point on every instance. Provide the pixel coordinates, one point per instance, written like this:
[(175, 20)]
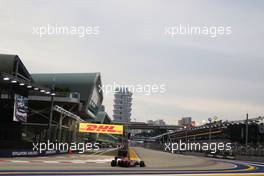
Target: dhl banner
[(100, 128)]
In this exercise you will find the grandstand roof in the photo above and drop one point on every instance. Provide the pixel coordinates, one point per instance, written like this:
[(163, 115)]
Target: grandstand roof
[(82, 83), (11, 64)]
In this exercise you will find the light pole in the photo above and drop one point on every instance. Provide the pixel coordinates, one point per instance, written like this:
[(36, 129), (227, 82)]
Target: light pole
[(186, 134), (210, 130), (51, 110), (246, 133)]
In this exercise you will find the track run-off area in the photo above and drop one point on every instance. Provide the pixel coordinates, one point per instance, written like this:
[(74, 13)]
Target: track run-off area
[(157, 162)]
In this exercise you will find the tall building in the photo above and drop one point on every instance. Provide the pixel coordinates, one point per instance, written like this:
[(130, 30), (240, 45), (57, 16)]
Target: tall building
[(122, 105), (159, 122), (185, 121), (151, 122)]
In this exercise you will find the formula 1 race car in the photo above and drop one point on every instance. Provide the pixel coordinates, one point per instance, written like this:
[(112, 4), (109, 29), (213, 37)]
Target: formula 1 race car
[(123, 160)]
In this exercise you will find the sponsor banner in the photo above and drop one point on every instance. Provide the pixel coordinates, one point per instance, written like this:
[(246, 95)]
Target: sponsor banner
[(20, 108), (101, 128), (26, 153)]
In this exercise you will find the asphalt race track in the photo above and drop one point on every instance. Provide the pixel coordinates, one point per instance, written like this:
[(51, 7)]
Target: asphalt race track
[(157, 162)]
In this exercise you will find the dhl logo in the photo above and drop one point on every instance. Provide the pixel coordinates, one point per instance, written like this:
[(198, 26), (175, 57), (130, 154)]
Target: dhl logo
[(100, 128)]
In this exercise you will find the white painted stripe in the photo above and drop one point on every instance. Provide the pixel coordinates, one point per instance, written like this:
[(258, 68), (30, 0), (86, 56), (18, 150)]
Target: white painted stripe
[(19, 161), (50, 162), (61, 161), (88, 161), (77, 161)]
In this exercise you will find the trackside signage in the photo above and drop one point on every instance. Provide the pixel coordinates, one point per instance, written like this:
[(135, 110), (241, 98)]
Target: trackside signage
[(100, 128)]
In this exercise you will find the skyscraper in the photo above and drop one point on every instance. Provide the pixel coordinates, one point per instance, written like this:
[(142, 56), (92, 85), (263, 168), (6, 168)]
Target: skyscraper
[(186, 121), (122, 105)]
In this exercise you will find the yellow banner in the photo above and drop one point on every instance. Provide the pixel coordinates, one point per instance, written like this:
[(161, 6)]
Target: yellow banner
[(100, 128)]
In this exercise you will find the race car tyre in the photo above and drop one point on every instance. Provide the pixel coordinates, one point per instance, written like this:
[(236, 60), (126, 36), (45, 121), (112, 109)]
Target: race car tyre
[(113, 163), (142, 164)]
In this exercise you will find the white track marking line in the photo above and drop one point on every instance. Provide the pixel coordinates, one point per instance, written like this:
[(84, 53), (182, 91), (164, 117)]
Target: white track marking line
[(78, 161), (51, 162), (19, 161)]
